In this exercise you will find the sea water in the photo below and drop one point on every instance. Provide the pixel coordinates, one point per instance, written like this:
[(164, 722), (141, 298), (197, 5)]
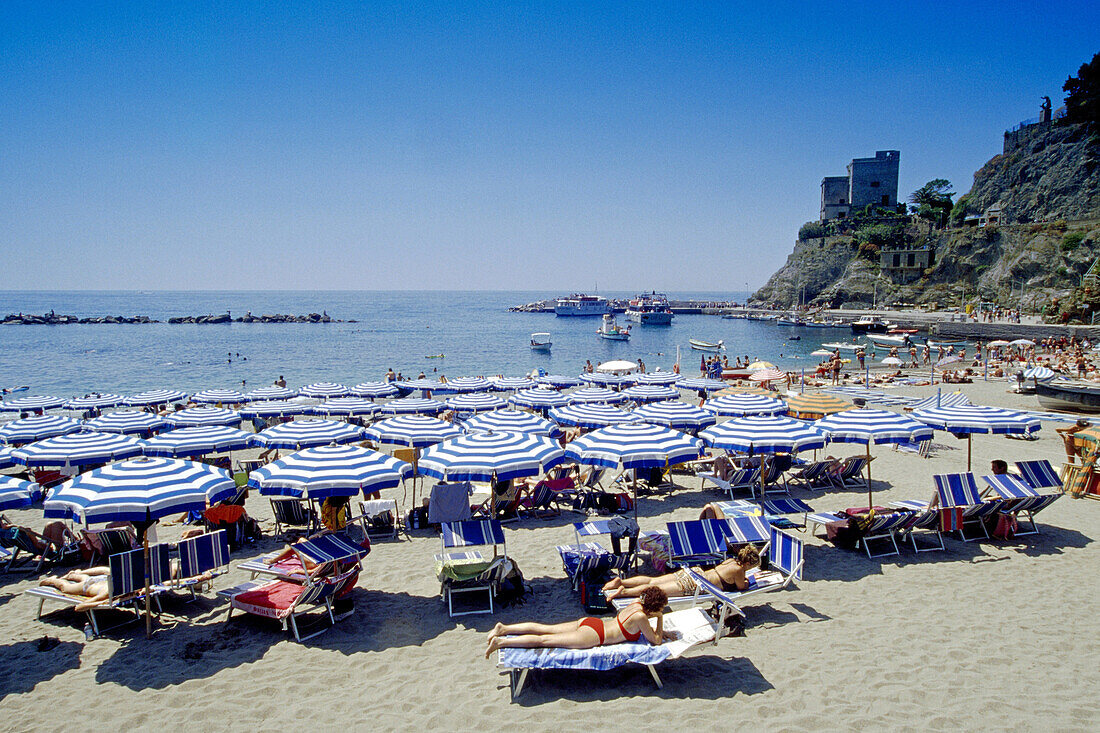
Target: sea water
[(473, 331)]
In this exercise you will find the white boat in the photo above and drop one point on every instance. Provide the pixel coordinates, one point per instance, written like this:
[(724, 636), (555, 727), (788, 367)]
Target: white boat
[(879, 339), (610, 329), (649, 309), (844, 346), (706, 345), (581, 305), (540, 341)]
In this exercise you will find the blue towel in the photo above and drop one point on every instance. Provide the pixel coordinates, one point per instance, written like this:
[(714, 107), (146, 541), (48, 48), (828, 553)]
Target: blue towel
[(600, 658)]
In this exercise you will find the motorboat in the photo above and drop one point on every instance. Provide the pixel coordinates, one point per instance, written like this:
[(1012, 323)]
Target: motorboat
[(789, 322), (649, 309), (699, 345), (540, 341), (610, 329), (581, 305), (1068, 396), (889, 340), (870, 324), (844, 346)]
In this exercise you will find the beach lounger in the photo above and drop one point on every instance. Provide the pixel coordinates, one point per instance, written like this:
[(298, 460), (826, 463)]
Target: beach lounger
[(814, 476), (202, 559), (1040, 475), (885, 527), (586, 556), (325, 551), (961, 504), (15, 540), (922, 518), (740, 479), (706, 540), (1020, 498), (107, 542), (777, 512), (851, 474), (546, 496), (372, 518), (285, 600), (693, 626), (293, 516), (460, 573)]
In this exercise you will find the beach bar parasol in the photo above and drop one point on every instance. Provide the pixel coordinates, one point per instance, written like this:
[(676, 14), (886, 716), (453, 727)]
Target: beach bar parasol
[(93, 402), (745, 404), (33, 403), (674, 414), (205, 415), (155, 397), (590, 415), (764, 434), (220, 397), (372, 390), (587, 395), (511, 421), (491, 457), (128, 422), (538, 399), (413, 406), (271, 393), (814, 405), (466, 404), (323, 390), (346, 406), (650, 393), (15, 493)]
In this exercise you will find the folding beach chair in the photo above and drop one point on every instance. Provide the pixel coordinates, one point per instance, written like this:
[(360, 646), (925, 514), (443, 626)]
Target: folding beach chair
[(202, 559), (922, 518), (469, 571), (1040, 475), (851, 473), (546, 496), (961, 504), (449, 503), (587, 557), (773, 476), (285, 601), (107, 542), (885, 527), (1020, 498), (814, 476), (327, 553), (740, 479), (293, 516), (706, 540), (16, 540), (379, 518)]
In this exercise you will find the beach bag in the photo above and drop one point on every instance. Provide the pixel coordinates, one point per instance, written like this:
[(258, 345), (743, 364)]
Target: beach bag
[(625, 503), (591, 588), (511, 590), (1004, 527), (417, 518)]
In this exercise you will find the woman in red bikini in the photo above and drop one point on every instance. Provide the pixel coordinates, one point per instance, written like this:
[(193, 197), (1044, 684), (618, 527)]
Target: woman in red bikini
[(630, 624)]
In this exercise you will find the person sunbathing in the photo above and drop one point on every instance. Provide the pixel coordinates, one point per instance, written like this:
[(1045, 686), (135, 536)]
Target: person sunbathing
[(90, 583), (54, 535), (729, 575), (629, 624)]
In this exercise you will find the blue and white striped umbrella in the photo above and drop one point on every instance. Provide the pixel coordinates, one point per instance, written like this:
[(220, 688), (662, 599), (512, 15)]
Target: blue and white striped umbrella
[(657, 377), (29, 429), (78, 449), (139, 490), (470, 384), (16, 493), (614, 380), (348, 406), (6, 461), (129, 422), (511, 421), (639, 445), (274, 408), (590, 415), (199, 416), (33, 403), (485, 456), (220, 396), (409, 386), (558, 381), (872, 427), (374, 389), (323, 390), (464, 404), (413, 406), (966, 419), (951, 399), (650, 393), (1039, 373), (509, 384), (539, 399), (764, 434), (98, 401), (416, 431), (197, 441), (675, 414), (329, 470), (271, 393), (739, 405), (701, 383), (155, 397), (586, 395), (307, 433)]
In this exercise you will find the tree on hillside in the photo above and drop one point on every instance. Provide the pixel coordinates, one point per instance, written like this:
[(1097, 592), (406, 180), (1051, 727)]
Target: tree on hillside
[(1083, 99), (932, 201)]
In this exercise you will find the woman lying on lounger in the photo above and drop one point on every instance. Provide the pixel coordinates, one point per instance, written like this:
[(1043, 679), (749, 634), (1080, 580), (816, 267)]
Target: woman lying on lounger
[(729, 576), (91, 583), (630, 624)]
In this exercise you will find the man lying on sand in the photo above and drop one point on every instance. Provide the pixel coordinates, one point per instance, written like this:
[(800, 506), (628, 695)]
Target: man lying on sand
[(729, 576)]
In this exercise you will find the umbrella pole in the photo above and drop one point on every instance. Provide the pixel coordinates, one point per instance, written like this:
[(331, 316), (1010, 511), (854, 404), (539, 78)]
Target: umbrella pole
[(870, 504), (969, 443)]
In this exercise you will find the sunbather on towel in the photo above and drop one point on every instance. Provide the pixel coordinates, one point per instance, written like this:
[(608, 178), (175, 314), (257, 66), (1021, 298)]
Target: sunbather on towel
[(630, 624), (729, 576), (91, 583)]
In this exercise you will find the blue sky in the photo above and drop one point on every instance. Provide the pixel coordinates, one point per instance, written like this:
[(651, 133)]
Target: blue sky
[(674, 146)]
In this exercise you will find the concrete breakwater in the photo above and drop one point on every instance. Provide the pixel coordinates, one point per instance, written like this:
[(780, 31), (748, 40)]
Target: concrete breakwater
[(620, 306), (57, 319)]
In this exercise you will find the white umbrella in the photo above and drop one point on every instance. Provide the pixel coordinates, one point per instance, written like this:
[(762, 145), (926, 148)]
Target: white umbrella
[(617, 365)]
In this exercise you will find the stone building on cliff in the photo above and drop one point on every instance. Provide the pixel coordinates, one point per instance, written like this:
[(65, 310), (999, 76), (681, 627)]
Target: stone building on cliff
[(869, 181)]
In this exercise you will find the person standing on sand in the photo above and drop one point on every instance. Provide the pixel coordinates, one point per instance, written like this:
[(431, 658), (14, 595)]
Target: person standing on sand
[(1069, 441)]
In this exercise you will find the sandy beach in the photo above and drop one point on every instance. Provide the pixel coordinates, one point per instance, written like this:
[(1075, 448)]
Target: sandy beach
[(986, 635)]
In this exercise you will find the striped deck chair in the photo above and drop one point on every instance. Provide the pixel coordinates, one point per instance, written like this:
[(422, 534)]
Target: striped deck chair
[(960, 504), (1019, 498), (885, 527), (922, 518), (284, 600), (741, 479), (814, 476), (1040, 475), (17, 540), (323, 551), (467, 534), (706, 540), (785, 507), (852, 473), (293, 516), (202, 559), (372, 518)]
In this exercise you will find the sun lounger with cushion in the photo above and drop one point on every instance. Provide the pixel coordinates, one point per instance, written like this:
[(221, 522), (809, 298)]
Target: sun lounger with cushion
[(460, 573), (285, 600), (740, 479), (202, 559), (814, 476)]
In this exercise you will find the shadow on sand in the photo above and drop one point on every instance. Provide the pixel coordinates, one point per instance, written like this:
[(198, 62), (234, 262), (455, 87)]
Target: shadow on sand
[(31, 662)]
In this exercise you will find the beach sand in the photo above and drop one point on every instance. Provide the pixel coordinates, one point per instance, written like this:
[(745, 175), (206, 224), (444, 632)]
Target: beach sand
[(987, 635)]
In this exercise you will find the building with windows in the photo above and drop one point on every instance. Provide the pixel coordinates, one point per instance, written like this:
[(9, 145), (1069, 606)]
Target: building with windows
[(906, 264), (869, 181)]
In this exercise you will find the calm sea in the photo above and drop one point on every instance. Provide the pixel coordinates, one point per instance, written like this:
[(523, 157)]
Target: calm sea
[(473, 330)]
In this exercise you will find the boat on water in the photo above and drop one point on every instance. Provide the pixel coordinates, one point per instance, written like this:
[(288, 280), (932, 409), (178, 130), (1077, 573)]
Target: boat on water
[(610, 329), (1068, 396), (649, 309), (540, 342), (699, 345), (581, 305), (843, 346), (890, 340), (824, 324), (871, 324), (788, 321)]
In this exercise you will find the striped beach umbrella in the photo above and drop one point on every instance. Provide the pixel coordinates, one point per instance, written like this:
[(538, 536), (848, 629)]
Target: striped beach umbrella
[(650, 393), (413, 406), (372, 390), (129, 422), (6, 461), (813, 405), (587, 395), (271, 393), (16, 493), (33, 403), (607, 380), (469, 384), (509, 384), (274, 408), (511, 421), (139, 490), (970, 419), (416, 431), (558, 381), (767, 375), (657, 377), (538, 399), (197, 441), (94, 401), (1039, 373), (489, 456), (764, 434), (155, 397), (701, 384), (307, 433), (78, 449), (739, 405), (204, 415), (348, 406), (220, 396), (637, 445), (424, 385), (675, 414), (329, 470), (30, 429), (951, 399), (590, 415), (323, 390), (745, 389), (465, 404)]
